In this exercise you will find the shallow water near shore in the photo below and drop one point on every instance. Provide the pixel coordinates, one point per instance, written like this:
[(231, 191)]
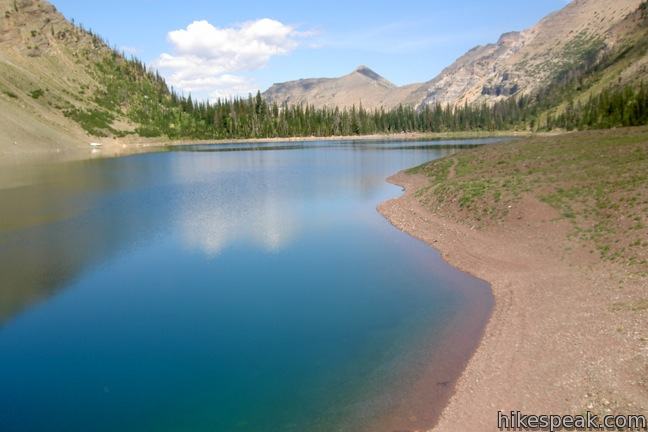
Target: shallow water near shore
[(226, 288)]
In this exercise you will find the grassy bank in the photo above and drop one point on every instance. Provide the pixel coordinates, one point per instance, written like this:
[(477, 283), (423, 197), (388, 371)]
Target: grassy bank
[(597, 180)]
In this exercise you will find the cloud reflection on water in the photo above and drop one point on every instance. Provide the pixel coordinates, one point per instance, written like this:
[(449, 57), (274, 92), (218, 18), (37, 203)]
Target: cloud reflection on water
[(255, 196), (221, 208)]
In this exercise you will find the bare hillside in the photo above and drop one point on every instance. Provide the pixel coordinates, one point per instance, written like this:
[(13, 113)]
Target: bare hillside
[(361, 87), (43, 71), (62, 86)]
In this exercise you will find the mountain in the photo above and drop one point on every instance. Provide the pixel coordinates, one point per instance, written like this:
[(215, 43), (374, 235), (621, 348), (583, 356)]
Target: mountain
[(518, 63), (38, 74), (61, 85), (523, 62), (363, 87)]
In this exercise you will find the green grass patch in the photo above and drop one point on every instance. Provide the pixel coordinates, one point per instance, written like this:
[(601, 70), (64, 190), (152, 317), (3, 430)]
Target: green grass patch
[(148, 131), (596, 180), (36, 94), (635, 306), (95, 122)]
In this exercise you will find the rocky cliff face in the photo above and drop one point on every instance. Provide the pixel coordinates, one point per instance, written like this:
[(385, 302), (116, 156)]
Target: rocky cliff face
[(522, 62), (518, 63)]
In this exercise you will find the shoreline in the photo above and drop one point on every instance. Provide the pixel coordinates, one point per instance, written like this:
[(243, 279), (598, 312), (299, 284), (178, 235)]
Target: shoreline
[(422, 400), (127, 146), (552, 344), (405, 136)]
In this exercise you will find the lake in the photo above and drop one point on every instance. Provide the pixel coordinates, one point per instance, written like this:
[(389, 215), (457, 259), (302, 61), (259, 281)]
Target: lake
[(247, 287)]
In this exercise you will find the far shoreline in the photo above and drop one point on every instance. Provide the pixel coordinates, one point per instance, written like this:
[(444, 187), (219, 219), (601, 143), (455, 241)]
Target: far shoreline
[(126, 146)]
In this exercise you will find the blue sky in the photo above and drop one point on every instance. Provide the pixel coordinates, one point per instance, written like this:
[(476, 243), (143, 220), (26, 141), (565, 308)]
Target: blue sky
[(233, 50)]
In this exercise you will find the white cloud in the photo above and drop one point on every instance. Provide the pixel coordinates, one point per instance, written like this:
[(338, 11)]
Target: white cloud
[(207, 60)]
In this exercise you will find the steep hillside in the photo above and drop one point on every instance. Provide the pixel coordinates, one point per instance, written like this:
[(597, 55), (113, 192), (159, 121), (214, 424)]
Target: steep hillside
[(61, 85), (361, 87), (37, 75), (624, 64)]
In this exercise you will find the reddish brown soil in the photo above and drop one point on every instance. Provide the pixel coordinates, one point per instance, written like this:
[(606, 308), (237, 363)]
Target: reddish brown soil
[(569, 332)]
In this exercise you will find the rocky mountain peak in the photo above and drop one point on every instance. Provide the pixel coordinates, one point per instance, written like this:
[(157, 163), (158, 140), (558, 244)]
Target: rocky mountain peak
[(509, 38), (366, 71)]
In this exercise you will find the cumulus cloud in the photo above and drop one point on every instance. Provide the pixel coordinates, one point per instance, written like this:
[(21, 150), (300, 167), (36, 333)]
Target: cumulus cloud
[(208, 60)]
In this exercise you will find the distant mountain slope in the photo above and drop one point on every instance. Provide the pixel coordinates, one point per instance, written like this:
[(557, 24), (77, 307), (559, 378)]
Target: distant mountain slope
[(523, 62), (518, 63), (361, 87)]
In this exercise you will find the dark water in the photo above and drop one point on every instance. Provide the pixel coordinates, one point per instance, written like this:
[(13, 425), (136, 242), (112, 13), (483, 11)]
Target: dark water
[(212, 290)]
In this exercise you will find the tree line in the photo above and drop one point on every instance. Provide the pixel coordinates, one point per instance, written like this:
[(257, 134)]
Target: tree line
[(253, 117), (142, 95), (626, 106)]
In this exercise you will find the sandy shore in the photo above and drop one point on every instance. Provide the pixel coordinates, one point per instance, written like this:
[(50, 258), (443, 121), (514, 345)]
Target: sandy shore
[(553, 343)]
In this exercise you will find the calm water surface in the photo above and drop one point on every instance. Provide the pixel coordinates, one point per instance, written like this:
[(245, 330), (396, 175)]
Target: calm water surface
[(207, 289)]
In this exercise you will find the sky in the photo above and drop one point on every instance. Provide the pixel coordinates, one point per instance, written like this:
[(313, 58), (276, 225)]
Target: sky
[(217, 49)]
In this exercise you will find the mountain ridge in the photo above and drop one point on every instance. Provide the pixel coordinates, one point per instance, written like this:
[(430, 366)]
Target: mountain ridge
[(522, 62), (518, 63), (363, 86)]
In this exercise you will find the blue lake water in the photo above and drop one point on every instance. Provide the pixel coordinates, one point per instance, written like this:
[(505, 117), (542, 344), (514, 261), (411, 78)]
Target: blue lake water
[(226, 288)]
